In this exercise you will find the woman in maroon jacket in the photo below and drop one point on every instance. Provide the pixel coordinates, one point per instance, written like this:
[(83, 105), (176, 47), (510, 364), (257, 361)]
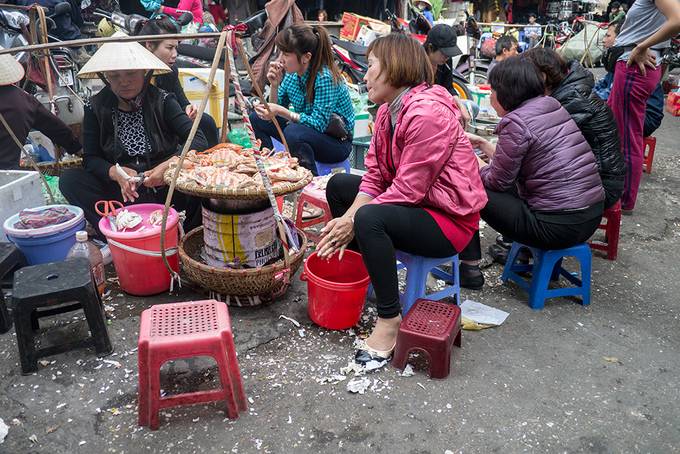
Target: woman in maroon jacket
[(542, 180)]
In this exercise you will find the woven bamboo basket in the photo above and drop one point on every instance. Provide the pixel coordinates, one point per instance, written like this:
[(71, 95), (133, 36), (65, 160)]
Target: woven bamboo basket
[(224, 192), (259, 283), (55, 168)]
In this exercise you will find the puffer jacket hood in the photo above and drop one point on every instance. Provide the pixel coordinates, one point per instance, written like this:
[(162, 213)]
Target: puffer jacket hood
[(541, 151), (597, 124)]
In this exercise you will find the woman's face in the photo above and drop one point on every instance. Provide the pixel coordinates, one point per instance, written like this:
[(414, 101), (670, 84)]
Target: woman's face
[(291, 63), (379, 91), (609, 38), (126, 84), (167, 51), (437, 58), (496, 105)]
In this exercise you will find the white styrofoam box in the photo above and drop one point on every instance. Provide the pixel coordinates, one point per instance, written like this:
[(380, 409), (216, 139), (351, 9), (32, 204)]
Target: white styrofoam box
[(194, 82), (19, 189)]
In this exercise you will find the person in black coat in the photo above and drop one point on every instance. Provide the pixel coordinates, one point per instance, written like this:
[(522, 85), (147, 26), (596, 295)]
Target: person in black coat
[(131, 130), (166, 51), (572, 85)]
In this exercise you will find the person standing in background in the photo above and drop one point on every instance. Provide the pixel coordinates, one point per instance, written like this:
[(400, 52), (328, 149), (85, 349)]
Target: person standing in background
[(506, 47), (534, 32), (644, 36), (617, 14)]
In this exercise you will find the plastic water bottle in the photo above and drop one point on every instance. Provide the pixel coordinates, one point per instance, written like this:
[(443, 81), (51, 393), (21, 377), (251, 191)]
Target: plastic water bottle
[(88, 250)]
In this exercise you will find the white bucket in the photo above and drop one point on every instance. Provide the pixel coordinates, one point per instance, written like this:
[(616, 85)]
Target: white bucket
[(240, 240)]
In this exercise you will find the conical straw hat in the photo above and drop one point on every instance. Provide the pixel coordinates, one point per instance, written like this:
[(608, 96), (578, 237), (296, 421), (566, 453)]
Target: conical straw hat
[(11, 70), (122, 57)]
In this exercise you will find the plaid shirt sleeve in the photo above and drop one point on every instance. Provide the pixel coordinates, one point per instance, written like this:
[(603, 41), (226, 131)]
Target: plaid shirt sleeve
[(284, 98), (324, 101)]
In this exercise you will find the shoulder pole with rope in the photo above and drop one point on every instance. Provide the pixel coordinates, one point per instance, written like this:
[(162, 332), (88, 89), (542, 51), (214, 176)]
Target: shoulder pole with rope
[(171, 189)]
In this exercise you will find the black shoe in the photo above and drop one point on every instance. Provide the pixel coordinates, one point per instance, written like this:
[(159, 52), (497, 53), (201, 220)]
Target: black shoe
[(498, 253), (503, 242), (471, 277)]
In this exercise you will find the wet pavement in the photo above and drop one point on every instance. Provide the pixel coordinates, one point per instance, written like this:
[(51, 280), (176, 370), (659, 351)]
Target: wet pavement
[(601, 379)]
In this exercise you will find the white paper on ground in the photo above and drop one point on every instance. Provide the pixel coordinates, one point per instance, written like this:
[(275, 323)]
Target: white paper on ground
[(3, 430), (482, 314)]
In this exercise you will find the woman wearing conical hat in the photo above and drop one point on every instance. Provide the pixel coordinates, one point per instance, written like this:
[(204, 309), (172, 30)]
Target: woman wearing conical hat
[(133, 124), (23, 112)]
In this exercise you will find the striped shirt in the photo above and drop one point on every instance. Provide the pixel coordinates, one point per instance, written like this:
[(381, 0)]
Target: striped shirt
[(328, 98)]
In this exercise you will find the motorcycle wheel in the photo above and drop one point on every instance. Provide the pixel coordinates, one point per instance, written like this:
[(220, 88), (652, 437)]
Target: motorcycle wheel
[(461, 89)]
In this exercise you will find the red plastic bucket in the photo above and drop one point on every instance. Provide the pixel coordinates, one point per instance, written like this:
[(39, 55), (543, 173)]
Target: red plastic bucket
[(136, 252), (336, 289)]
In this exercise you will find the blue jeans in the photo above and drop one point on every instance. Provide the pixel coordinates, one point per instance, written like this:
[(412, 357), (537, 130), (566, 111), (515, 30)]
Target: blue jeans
[(305, 143)]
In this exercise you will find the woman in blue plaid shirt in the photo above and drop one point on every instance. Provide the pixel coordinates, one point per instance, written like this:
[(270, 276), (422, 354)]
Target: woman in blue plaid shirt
[(309, 98)]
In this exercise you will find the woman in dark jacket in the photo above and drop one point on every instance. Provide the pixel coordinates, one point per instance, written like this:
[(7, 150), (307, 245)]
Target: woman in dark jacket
[(572, 86), (542, 181), (131, 130), (166, 51)]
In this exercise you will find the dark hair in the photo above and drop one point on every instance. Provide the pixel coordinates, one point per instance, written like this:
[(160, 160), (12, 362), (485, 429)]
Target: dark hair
[(505, 42), (302, 38), (403, 60), (515, 81), (553, 66), (617, 27), (159, 26), (613, 5)]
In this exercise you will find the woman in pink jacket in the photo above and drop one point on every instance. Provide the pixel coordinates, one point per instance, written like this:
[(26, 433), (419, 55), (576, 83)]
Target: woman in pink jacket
[(421, 193), (195, 7)]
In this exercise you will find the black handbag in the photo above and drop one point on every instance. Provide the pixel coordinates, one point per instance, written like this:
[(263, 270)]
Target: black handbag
[(611, 56), (336, 128)]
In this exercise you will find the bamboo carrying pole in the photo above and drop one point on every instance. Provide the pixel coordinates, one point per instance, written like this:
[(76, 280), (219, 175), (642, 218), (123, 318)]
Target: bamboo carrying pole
[(111, 39), (185, 149)]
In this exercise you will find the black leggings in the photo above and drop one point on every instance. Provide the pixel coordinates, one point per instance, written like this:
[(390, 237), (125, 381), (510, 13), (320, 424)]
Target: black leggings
[(83, 189), (509, 215), (379, 229)]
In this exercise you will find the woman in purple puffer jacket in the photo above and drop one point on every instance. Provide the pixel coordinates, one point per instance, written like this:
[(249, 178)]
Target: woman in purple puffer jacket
[(542, 180)]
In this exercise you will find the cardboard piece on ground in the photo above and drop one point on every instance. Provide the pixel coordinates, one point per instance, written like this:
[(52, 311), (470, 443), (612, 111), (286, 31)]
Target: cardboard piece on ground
[(482, 314)]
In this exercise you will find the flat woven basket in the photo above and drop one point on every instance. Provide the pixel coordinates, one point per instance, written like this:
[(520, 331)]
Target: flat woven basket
[(246, 283), (224, 192), (55, 168)]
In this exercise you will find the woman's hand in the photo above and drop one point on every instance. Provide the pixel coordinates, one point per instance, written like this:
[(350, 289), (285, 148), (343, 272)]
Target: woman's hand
[(464, 113), (475, 140), (191, 111), (154, 177), (641, 57), (275, 73), (337, 233), (127, 187), (274, 111)]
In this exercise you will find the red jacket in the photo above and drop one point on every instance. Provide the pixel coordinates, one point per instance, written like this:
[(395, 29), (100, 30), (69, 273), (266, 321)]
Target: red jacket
[(195, 7), (429, 161)]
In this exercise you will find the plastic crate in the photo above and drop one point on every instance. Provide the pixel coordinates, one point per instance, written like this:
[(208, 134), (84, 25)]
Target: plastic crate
[(359, 149), (19, 189)]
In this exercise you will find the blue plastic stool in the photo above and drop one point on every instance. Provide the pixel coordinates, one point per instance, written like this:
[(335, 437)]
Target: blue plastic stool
[(278, 146), (323, 168), (547, 266), (417, 269)]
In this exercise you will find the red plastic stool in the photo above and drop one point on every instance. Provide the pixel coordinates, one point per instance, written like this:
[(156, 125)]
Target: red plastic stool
[(432, 327), (185, 330), (650, 146), (611, 229), (315, 197)]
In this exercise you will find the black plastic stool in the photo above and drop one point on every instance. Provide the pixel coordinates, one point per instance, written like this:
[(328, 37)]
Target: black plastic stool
[(11, 258), (49, 285)]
